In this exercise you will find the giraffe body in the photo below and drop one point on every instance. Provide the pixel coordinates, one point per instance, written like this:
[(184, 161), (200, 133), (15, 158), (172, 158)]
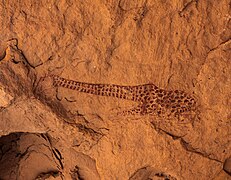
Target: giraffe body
[(152, 100)]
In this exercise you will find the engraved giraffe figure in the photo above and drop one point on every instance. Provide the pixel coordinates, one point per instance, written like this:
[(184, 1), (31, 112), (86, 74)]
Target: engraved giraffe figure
[(151, 99)]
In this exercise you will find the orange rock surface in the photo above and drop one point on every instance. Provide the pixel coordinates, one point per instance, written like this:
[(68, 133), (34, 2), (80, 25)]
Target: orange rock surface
[(54, 132)]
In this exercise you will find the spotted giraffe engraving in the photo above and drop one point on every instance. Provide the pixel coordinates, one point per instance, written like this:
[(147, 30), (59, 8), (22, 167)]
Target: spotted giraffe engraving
[(151, 99)]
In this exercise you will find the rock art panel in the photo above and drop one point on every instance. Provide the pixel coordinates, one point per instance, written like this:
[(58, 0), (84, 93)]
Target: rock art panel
[(115, 89)]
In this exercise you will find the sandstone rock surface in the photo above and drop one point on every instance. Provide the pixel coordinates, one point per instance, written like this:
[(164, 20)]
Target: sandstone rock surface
[(50, 132)]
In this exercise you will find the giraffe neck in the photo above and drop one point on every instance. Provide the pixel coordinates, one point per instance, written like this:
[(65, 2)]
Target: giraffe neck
[(122, 92)]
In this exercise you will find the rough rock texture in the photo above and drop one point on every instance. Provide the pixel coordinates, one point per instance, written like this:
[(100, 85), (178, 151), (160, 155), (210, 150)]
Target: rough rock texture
[(50, 132)]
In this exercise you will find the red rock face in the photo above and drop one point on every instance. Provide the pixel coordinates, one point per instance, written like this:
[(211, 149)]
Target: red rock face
[(115, 90)]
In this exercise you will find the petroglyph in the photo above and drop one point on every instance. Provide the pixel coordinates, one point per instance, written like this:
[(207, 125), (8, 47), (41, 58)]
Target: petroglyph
[(151, 99)]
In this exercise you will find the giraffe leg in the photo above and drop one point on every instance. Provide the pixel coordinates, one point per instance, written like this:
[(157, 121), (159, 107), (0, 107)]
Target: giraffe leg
[(132, 113), (135, 111)]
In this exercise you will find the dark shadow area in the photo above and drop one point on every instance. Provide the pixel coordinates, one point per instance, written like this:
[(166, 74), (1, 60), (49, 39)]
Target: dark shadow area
[(27, 156)]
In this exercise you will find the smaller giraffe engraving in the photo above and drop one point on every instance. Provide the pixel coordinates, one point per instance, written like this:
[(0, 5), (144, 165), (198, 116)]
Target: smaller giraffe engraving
[(151, 99)]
